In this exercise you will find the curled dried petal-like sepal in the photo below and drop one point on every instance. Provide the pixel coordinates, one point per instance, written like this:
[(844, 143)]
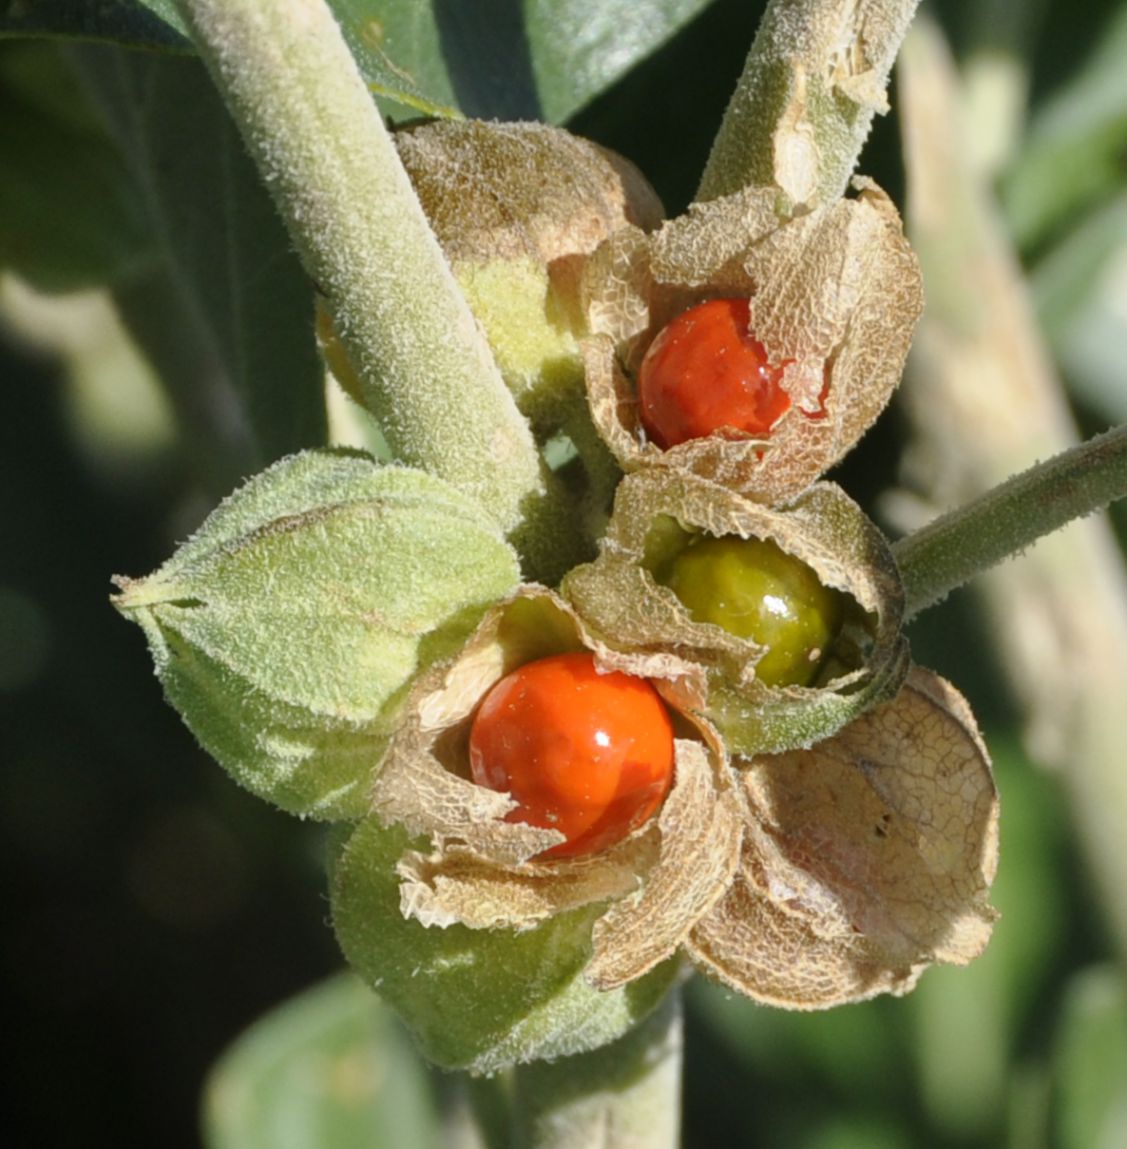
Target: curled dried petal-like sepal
[(481, 871), (701, 828), (620, 599), (834, 296), (867, 858)]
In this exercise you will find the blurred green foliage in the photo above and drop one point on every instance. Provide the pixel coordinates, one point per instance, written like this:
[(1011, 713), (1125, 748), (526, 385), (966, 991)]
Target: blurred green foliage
[(154, 909), (333, 1068)]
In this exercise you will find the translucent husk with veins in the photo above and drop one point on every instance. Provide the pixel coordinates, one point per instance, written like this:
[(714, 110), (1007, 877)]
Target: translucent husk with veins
[(482, 870), (834, 296), (619, 595), (615, 919), (865, 859)]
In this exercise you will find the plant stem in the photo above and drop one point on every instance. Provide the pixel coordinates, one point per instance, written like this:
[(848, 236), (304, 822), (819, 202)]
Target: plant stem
[(290, 83), (475, 1110), (804, 104), (623, 1096), (955, 547)]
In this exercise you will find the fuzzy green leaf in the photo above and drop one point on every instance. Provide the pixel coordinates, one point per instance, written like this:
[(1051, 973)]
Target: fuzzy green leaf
[(285, 630), (478, 999), (544, 59)]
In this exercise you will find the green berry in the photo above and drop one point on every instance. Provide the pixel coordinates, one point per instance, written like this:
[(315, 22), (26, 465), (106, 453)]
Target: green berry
[(754, 590)]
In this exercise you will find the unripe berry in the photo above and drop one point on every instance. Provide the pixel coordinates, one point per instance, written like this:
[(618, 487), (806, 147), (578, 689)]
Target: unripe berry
[(754, 590)]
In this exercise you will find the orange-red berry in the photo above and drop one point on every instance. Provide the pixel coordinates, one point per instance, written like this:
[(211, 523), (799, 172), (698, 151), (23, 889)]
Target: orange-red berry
[(588, 754), (706, 373)]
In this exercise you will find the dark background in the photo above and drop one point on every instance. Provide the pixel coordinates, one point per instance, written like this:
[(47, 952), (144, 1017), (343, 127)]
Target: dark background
[(152, 909)]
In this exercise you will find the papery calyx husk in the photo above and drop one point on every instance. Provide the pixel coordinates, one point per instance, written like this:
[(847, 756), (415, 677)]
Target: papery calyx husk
[(504, 191), (867, 858), (518, 208), (469, 876), (482, 871), (621, 601), (287, 629), (805, 879), (834, 296)]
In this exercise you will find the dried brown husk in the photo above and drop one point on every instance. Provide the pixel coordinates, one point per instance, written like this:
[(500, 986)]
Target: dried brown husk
[(866, 859), (481, 871), (518, 209), (701, 827), (510, 190), (834, 293), (621, 601)]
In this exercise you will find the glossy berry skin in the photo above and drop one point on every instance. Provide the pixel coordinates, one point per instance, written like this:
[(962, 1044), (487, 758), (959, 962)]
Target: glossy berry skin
[(754, 590), (588, 754), (706, 373)]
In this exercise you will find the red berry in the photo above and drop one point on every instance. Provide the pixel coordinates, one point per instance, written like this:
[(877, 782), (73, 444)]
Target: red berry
[(588, 754), (704, 373)]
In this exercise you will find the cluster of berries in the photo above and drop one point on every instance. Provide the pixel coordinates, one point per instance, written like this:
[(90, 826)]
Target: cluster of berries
[(590, 754)]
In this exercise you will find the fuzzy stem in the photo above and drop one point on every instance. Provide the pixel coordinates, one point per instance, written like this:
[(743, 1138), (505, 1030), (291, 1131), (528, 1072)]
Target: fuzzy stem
[(623, 1096), (955, 547), (317, 137), (804, 104), (475, 1110)]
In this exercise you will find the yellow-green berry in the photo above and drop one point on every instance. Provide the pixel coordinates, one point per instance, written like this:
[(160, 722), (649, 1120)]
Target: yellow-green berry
[(754, 590)]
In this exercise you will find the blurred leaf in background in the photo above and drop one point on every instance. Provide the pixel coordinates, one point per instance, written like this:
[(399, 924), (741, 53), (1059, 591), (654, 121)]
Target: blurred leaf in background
[(1066, 200), (224, 313), (1091, 1061), (70, 217), (329, 1068)]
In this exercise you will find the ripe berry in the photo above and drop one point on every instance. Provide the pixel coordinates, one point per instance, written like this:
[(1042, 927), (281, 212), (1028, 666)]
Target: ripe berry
[(754, 590), (588, 754), (705, 372)]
